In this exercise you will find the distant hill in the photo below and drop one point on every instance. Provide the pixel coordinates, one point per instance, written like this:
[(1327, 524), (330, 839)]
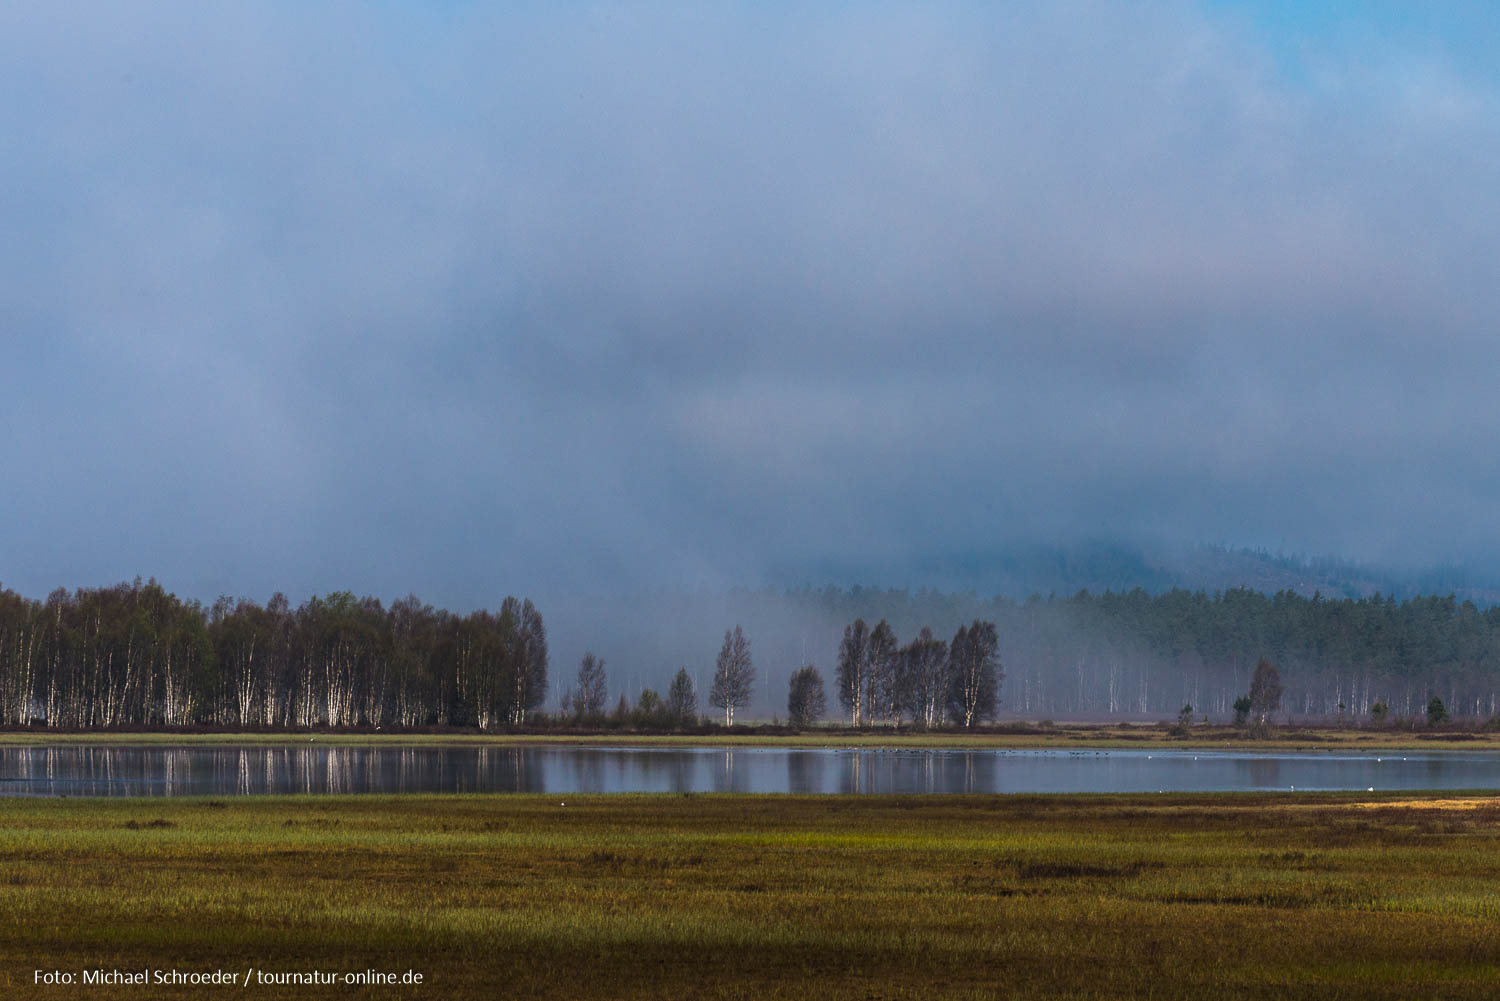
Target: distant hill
[(1021, 571), (1108, 566)]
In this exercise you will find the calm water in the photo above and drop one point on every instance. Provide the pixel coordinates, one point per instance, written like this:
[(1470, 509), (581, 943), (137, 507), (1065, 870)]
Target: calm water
[(227, 771)]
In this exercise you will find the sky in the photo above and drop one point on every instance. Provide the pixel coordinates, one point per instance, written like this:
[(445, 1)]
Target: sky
[(542, 299)]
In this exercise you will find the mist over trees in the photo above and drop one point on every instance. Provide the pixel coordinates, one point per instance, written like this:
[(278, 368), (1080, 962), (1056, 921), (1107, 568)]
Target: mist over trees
[(927, 682), (135, 655), (587, 700), (1110, 654)]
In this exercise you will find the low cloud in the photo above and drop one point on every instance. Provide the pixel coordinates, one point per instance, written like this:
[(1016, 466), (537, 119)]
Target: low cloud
[(575, 301)]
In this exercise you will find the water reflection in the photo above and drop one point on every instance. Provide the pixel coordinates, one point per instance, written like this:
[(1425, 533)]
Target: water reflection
[(804, 772), (1265, 773), (93, 770)]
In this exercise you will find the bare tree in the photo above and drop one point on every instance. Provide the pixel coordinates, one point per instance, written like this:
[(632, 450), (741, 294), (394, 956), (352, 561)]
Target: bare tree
[(593, 688), (734, 675)]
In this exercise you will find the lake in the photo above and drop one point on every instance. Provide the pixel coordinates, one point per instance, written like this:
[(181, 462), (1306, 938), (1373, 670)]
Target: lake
[(95, 770)]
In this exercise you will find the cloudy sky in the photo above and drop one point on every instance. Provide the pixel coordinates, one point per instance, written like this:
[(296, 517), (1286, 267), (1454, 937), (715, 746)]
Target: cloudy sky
[(478, 299)]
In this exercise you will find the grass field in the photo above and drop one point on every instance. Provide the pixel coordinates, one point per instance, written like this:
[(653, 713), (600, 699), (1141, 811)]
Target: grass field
[(1066, 735), (1258, 896)]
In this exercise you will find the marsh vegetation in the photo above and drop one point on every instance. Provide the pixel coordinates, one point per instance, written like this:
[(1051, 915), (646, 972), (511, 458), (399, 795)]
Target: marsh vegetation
[(655, 896)]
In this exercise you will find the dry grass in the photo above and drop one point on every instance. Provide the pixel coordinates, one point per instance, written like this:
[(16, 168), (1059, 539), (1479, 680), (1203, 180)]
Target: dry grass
[(766, 897)]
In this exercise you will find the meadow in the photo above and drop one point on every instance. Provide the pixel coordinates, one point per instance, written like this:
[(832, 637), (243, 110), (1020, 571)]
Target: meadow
[(1243, 895)]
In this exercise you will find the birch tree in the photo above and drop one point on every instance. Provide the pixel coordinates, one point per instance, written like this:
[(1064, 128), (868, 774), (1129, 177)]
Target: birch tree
[(854, 671), (529, 679), (884, 696), (734, 675), (975, 673), (926, 682)]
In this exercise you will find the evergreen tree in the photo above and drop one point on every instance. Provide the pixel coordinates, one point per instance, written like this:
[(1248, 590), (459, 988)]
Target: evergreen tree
[(682, 700), (1242, 706), (805, 701), (651, 711), (1437, 713), (1265, 691)]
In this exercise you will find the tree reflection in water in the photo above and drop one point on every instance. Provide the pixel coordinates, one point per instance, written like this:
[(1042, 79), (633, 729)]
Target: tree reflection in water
[(804, 771), (312, 768), (1265, 773)]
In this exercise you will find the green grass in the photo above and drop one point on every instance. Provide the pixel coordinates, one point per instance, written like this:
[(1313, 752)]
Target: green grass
[(1066, 735), (1249, 895)]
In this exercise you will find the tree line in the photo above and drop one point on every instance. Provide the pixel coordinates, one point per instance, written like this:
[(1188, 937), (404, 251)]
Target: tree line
[(134, 655), (734, 681), (926, 682), (1136, 654)]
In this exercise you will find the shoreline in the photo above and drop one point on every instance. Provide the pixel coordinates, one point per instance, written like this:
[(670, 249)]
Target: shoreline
[(1063, 736)]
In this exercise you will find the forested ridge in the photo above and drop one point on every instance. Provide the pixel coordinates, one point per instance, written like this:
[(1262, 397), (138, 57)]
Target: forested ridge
[(1139, 654), (134, 655)]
